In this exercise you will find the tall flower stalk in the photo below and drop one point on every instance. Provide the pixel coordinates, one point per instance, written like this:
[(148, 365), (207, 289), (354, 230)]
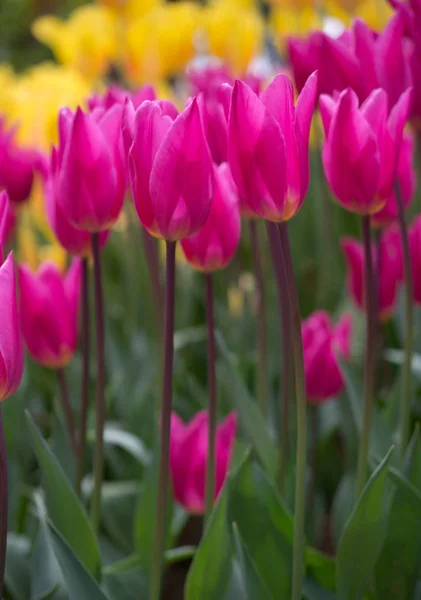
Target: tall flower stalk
[(370, 355), (212, 399), (100, 386), (165, 424), (300, 391), (67, 409)]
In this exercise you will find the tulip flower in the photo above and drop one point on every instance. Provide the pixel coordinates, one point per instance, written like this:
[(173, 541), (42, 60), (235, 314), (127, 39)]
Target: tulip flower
[(213, 246), (17, 166), (188, 456), (170, 170), (361, 149), (91, 181), (268, 146), (415, 249), (7, 221), (11, 349), (407, 180), (389, 278), (322, 342), (48, 309)]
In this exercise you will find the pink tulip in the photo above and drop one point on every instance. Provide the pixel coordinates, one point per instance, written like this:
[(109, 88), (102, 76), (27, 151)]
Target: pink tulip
[(188, 456), (17, 166), (92, 178), (7, 221), (11, 349), (360, 153), (213, 246), (391, 271), (407, 180), (322, 342), (170, 169), (268, 146), (75, 241), (415, 250), (48, 309)]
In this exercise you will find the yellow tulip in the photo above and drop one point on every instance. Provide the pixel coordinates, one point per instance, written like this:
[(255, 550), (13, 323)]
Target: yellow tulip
[(130, 9), (286, 22)]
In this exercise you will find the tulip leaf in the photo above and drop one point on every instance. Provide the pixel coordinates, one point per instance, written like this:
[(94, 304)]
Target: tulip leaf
[(80, 584), (363, 537), (400, 561), (253, 586), (210, 573), (412, 464), (321, 568), (17, 575), (264, 524), (64, 508), (251, 420)]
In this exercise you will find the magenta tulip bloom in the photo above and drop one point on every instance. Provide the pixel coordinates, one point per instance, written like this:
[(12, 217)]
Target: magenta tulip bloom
[(11, 349), (268, 146), (391, 271), (361, 148), (407, 180), (7, 221), (415, 249), (322, 342), (188, 456), (48, 309), (213, 246), (17, 166), (92, 178), (170, 169)]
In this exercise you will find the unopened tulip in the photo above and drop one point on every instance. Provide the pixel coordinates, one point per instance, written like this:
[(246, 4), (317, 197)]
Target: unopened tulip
[(391, 271), (268, 146), (11, 349), (170, 169), (360, 152), (48, 308), (214, 245), (406, 180), (91, 181), (322, 343), (17, 166), (188, 456)]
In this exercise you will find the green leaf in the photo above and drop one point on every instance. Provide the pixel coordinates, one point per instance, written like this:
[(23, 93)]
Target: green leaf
[(210, 572), (321, 567), (114, 435), (251, 421), (412, 465), (80, 584), (343, 503), (363, 537), (253, 587), (314, 591), (64, 508), (264, 524), (17, 576), (46, 576)]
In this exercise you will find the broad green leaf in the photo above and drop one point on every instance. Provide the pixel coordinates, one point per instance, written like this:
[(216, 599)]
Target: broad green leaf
[(412, 465), (17, 576), (64, 508), (321, 567), (253, 587), (80, 584), (264, 525), (210, 572), (381, 438), (314, 591), (343, 503), (363, 537), (46, 576), (251, 421)]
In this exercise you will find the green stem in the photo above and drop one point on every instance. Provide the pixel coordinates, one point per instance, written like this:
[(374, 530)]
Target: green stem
[(212, 400), (405, 413), (100, 387), (275, 244), (300, 390), (261, 383), (84, 402), (4, 503), (67, 409), (165, 430), (370, 364)]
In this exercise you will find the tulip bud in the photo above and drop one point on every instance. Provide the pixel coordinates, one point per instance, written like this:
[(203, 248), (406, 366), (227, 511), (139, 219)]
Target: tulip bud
[(361, 149), (188, 458), (322, 342), (268, 146), (17, 166), (213, 246), (48, 308), (391, 271), (170, 169), (91, 182)]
